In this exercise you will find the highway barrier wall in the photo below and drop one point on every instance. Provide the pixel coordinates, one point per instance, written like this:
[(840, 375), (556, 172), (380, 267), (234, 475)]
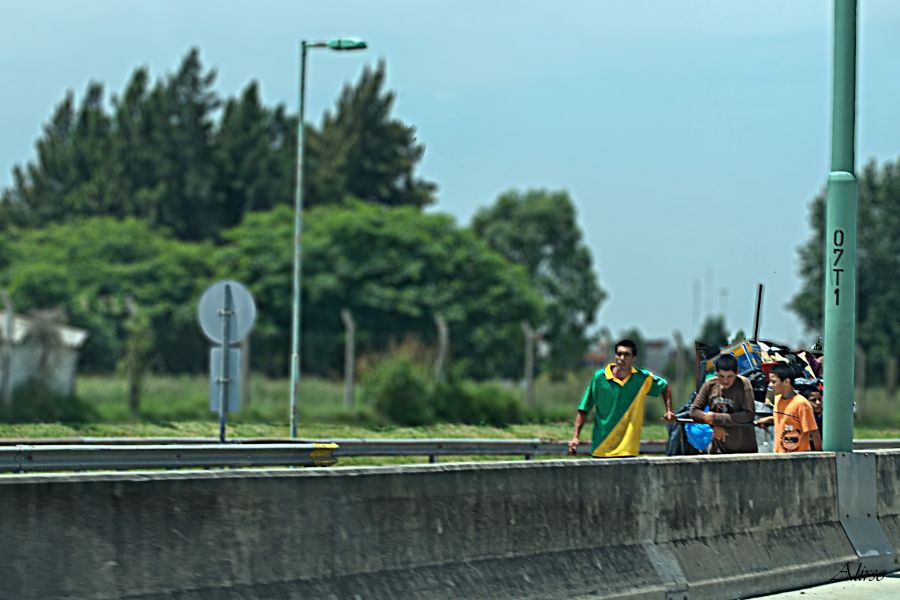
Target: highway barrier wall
[(674, 528), (888, 493)]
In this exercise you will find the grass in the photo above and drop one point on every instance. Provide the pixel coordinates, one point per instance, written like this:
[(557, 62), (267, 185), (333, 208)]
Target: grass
[(186, 398), (178, 406)]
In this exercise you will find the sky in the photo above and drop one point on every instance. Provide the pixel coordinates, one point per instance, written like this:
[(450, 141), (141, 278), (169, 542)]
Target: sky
[(691, 135)]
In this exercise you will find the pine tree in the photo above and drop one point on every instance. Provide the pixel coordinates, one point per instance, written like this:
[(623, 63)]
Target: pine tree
[(360, 151)]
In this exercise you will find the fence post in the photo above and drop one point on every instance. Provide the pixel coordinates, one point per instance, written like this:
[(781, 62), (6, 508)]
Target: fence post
[(245, 371), (860, 383), (443, 344), (349, 356), (891, 376), (529, 363), (7, 350)]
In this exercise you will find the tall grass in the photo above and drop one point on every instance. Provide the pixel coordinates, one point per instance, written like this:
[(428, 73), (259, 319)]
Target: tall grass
[(179, 406), (876, 408), (186, 398)]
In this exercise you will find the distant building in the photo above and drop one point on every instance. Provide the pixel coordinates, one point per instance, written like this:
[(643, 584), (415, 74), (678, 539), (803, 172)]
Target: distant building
[(22, 357)]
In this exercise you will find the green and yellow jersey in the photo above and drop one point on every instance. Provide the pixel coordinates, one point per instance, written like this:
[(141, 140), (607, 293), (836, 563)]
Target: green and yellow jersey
[(619, 409)]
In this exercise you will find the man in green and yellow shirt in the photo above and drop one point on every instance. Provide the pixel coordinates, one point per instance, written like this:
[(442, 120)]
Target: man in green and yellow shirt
[(616, 394)]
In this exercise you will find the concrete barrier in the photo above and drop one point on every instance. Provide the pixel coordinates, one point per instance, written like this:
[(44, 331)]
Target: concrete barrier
[(887, 475), (683, 527)]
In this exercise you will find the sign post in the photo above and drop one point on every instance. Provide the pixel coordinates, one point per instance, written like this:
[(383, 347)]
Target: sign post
[(226, 313)]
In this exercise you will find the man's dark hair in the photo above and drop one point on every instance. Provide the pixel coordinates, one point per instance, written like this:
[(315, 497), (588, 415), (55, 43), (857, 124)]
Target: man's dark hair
[(784, 371), (726, 362), (628, 344)]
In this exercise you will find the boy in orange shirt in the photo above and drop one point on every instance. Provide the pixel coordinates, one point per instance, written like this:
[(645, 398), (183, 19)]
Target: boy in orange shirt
[(794, 419)]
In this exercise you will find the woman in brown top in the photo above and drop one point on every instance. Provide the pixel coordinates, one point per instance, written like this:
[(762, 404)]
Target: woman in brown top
[(731, 410)]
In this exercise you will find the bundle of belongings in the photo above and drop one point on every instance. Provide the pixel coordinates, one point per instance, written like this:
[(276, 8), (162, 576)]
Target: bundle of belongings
[(755, 359)]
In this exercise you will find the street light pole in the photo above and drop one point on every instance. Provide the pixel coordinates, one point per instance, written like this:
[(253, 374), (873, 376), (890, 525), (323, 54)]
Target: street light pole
[(840, 240), (298, 228), (342, 44)]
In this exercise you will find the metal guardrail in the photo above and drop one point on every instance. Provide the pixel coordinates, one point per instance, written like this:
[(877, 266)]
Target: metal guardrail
[(353, 447), (881, 444), (82, 457), (61, 454)]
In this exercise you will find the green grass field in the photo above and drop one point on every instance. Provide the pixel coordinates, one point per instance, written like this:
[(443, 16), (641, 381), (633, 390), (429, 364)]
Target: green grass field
[(178, 407)]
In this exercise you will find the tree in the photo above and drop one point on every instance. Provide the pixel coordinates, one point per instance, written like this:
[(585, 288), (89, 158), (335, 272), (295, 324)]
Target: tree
[(61, 184), (361, 152), (538, 230), (90, 267), (255, 152), (713, 331), (878, 258), (137, 354), (153, 158), (394, 268), (180, 112), (163, 156)]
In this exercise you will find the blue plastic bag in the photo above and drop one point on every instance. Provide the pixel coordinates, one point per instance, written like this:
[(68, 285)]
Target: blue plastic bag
[(698, 435)]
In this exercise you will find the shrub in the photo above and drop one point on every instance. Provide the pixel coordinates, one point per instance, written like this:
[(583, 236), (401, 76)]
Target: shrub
[(477, 403), (34, 402), (495, 405), (398, 388)]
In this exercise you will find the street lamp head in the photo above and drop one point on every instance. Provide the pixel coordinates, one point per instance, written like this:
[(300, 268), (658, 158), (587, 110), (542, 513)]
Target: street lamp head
[(346, 44)]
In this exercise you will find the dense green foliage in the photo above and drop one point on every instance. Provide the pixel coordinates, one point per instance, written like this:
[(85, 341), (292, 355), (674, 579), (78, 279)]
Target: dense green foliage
[(91, 267), (460, 401), (361, 153), (394, 269), (538, 230), (400, 388), (878, 262), (164, 156), (34, 402), (147, 197)]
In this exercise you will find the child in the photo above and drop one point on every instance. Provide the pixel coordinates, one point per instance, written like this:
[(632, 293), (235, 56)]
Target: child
[(794, 418)]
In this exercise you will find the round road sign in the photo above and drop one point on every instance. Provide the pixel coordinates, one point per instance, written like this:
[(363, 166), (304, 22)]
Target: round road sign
[(210, 311)]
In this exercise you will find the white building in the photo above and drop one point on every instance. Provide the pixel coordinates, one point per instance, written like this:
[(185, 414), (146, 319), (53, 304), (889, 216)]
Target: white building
[(21, 357)]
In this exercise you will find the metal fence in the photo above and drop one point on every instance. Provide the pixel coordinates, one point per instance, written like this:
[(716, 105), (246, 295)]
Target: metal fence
[(31, 457)]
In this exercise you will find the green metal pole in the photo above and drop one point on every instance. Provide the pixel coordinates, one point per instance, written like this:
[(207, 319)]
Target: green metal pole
[(298, 228), (840, 240)]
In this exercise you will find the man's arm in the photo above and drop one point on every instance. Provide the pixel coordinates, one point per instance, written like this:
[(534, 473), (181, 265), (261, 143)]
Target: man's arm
[(669, 417), (816, 441), (580, 418), (808, 423), (700, 401)]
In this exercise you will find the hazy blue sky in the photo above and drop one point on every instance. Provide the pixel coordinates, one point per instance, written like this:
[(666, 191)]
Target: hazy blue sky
[(691, 134)]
